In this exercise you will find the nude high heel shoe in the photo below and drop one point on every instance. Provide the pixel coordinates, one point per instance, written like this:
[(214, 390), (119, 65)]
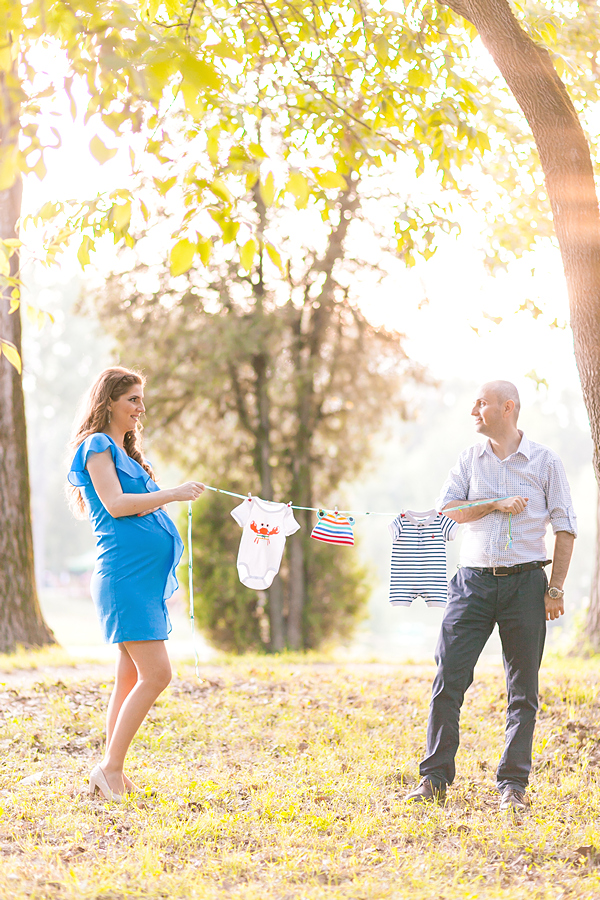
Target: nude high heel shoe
[(99, 784), (139, 793)]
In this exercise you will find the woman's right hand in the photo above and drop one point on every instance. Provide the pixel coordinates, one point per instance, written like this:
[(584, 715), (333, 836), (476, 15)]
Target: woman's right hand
[(191, 490)]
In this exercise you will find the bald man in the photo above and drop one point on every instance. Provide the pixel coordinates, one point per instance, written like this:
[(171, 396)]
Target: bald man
[(499, 581)]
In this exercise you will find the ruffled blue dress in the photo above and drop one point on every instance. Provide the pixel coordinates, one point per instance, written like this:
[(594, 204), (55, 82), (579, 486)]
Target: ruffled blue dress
[(137, 555)]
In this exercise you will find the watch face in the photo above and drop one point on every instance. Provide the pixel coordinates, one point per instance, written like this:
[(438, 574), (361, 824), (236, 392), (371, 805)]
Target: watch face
[(554, 593)]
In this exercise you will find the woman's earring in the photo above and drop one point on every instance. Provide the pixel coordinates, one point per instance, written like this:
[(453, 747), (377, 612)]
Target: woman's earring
[(109, 417)]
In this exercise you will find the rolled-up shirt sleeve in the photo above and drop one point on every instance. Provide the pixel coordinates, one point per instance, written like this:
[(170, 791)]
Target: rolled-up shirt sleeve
[(456, 485), (558, 496)]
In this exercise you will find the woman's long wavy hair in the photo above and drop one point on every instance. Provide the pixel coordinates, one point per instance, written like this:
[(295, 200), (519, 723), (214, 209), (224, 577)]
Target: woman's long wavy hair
[(93, 418)]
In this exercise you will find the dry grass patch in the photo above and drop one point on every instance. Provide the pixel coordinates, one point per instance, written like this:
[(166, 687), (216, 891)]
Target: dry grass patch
[(281, 779)]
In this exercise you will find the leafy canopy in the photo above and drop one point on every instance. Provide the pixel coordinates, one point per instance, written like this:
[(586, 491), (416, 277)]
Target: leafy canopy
[(210, 99), (213, 98)]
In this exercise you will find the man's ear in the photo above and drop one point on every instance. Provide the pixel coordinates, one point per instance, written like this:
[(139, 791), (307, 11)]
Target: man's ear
[(509, 407)]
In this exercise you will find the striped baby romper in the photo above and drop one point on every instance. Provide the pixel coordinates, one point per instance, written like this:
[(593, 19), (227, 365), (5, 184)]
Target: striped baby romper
[(419, 557)]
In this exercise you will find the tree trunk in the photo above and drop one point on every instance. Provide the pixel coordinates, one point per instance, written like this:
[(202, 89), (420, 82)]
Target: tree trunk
[(262, 452), (566, 162), (297, 591), (307, 359), (21, 621), (262, 462), (301, 493), (589, 641)]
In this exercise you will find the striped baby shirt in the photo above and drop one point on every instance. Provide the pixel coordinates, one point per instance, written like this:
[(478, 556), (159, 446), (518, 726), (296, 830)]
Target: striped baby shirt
[(419, 557)]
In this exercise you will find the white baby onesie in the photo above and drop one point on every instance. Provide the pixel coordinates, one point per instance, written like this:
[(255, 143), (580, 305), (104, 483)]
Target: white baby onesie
[(266, 526)]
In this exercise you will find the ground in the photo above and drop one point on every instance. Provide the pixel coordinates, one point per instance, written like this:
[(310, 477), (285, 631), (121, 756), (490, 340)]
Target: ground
[(281, 778)]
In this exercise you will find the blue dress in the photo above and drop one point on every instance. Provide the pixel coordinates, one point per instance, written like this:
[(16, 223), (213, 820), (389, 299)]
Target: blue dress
[(137, 555)]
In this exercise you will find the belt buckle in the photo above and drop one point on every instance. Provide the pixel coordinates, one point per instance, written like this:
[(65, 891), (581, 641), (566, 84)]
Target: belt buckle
[(499, 574)]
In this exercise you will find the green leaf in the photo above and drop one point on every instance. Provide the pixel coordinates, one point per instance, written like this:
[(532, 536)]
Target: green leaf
[(381, 48), (162, 70), (83, 254), (37, 317), (212, 144), (267, 190), (247, 253), (40, 169), (122, 215), (329, 180), (150, 8), (299, 187), (220, 190), (257, 151), (100, 151), (199, 74), (274, 256), (191, 98), (225, 50), (182, 256), (205, 250), (48, 210), (12, 354), (164, 184), (174, 7), (230, 230)]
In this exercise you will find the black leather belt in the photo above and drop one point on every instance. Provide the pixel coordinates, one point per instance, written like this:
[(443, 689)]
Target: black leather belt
[(512, 570)]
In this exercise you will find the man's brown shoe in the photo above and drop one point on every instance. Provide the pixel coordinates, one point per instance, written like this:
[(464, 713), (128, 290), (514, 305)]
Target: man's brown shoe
[(427, 792), (514, 799)]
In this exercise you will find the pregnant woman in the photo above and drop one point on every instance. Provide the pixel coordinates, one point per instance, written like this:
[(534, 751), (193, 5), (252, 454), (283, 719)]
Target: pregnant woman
[(138, 551)]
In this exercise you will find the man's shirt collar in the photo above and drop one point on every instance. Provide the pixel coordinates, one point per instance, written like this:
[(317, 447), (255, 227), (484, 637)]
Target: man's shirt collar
[(524, 447)]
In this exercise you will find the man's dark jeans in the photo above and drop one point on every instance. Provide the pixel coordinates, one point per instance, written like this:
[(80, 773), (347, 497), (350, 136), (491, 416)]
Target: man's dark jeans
[(476, 602)]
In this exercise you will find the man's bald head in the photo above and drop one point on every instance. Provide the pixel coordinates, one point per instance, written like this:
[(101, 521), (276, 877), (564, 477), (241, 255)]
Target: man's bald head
[(496, 410), (503, 391)]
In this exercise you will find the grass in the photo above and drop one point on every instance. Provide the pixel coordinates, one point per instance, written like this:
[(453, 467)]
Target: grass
[(281, 779), (30, 660)]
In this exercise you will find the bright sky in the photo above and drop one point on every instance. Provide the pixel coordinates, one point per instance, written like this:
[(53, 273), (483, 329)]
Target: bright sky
[(441, 332)]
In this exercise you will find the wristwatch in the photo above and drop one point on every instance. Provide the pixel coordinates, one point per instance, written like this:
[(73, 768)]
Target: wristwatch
[(555, 593)]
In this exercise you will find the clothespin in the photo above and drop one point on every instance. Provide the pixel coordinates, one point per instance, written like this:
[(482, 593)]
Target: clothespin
[(250, 496)]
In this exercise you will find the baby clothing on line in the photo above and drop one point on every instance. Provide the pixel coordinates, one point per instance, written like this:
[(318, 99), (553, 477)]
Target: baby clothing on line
[(333, 528), (266, 525), (419, 557)]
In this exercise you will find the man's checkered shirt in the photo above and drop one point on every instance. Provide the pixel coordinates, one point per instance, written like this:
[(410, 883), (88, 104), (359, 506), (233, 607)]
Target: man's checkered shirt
[(533, 471)]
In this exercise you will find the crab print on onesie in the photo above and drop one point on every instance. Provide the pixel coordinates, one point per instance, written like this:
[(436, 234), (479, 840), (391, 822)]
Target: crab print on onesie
[(266, 526)]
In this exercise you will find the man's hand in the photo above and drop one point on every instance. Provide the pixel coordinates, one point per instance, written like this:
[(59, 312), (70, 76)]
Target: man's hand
[(554, 608), (514, 505)]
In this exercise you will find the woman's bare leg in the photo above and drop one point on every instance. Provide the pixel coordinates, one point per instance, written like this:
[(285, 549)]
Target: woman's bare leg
[(126, 677), (153, 675)]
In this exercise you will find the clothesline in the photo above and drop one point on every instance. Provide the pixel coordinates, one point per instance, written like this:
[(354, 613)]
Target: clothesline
[(349, 512), (307, 509)]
